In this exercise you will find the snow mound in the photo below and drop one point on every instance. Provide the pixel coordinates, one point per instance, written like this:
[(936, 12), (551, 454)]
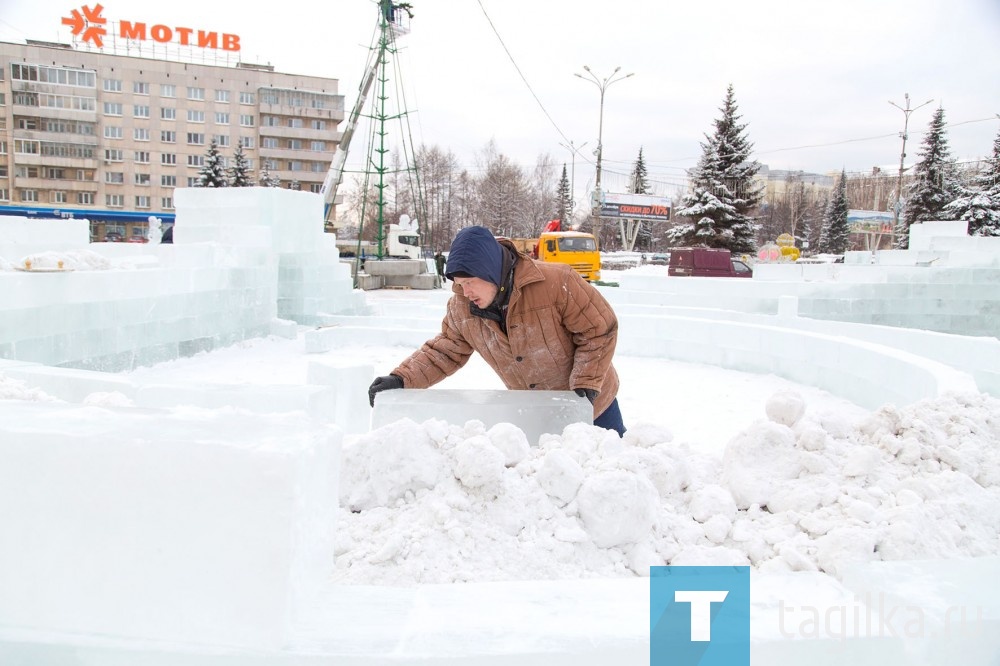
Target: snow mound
[(440, 503)]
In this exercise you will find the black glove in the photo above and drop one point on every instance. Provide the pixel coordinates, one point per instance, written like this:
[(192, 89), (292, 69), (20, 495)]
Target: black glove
[(383, 384), (589, 394)]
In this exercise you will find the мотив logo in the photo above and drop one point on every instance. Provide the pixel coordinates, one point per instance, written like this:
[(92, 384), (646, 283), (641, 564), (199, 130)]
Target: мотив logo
[(90, 24)]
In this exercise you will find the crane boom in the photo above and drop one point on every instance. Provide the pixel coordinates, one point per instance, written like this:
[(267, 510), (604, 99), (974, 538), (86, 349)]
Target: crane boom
[(335, 175)]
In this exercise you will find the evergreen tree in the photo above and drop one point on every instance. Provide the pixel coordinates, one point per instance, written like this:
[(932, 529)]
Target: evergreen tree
[(212, 174), (935, 184), (723, 191), (979, 204), (564, 200), (834, 237), (640, 185), (266, 179), (240, 174)]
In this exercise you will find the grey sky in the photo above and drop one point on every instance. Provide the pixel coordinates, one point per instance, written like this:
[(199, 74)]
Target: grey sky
[(812, 80)]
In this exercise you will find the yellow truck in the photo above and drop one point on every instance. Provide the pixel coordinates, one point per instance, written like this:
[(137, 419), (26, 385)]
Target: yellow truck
[(575, 248)]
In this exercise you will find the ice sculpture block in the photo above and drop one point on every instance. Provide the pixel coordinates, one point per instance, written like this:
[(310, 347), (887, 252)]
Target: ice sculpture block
[(534, 412)]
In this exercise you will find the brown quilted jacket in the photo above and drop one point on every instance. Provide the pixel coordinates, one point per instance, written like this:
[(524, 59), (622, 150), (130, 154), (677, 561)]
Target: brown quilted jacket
[(561, 335)]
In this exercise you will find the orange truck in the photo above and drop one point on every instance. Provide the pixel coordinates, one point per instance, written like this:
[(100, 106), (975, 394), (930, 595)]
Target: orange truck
[(575, 248)]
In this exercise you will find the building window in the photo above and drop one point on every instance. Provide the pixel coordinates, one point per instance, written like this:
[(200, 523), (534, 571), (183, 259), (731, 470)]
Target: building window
[(319, 124), (59, 197), (195, 116), (221, 140), (114, 177), (318, 167), (221, 95), (142, 179), (85, 198), (29, 195), (192, 181), (167, 203), (140, 111), (111, 132), (168, 113), (114, 155), (267, 121), (140, 133), (167, 136), (141, 157), (24, 147), (247, 98), (294, 165), (4, 194), (195, 93), (140, 87), (221, 118), (196, 160), (142, 202), (168, 90), (168, 158), (112, 108), (269, 142), (27, 123), (295, 144), (295, 122), (112, 85), (269, 97), (168, 181), (195, 139), (249, 141), (114, 200), (246, 120), (315, 187), (318, 146)]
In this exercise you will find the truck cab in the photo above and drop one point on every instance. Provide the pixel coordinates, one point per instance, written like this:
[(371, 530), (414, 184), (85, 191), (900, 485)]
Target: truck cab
[(575, 248), (706, 262)]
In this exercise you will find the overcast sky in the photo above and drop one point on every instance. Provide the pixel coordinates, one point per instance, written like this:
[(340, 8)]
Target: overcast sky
[(812, 80)]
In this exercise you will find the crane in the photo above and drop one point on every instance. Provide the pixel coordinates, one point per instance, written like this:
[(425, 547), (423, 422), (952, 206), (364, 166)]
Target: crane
[(390, 24)]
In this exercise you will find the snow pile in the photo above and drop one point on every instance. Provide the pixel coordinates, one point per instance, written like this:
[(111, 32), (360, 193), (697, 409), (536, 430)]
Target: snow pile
[(72, 260), (14, 389), (439, 503)]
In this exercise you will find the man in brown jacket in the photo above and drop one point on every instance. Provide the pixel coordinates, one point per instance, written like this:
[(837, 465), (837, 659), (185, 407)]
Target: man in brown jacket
[(539, 326)]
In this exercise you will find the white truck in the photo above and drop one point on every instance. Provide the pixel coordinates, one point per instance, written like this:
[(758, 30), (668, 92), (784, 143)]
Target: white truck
[(400, 243)]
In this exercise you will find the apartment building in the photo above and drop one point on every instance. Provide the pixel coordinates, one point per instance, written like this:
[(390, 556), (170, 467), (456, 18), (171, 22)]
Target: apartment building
[(109, 137)]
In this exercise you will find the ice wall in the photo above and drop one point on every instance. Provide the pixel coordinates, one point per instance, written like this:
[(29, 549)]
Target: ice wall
[(242, 259)]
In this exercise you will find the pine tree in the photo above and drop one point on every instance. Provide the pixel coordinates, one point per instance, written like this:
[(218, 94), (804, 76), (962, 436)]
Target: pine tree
[(266, 179), (723, 189), (835, 235), (212, 174), (640, 185), (979, 204), (564, 200), (935, 183), (240, 174)]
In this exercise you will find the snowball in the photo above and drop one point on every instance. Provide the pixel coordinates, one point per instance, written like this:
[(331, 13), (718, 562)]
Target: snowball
[(511, 441), (560, 475), (757, 459), (647, 434), (617, 507), (713, 500), (478, 463), (785, 407)]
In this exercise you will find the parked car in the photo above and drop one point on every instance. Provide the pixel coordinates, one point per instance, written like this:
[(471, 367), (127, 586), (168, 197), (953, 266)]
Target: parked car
[(706, 262), (657, 259), (113, 237)]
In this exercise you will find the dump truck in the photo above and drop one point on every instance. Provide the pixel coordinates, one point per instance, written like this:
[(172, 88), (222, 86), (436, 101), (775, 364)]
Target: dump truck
[(576, 249)]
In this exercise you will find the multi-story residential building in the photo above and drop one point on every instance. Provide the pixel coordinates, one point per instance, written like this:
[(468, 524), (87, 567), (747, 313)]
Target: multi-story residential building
[(109, 137)]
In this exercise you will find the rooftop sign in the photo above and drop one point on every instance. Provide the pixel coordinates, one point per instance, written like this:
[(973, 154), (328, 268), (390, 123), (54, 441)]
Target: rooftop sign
[(89, 24)]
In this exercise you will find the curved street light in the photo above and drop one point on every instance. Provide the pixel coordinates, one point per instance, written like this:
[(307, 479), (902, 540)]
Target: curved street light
[(602, 85), (902, 157)]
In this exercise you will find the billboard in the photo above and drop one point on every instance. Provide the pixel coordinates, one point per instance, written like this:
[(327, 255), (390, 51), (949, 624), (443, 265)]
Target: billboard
[(636, 207)]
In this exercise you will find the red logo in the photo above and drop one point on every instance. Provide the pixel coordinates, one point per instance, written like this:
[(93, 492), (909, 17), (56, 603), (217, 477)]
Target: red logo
[(90, 24)]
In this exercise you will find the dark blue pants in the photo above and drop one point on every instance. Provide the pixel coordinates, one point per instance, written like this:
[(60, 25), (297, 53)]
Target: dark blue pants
[(611, 419)]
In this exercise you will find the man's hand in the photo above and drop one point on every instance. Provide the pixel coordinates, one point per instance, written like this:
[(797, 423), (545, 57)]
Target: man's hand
[(589, 394), (383, 384)]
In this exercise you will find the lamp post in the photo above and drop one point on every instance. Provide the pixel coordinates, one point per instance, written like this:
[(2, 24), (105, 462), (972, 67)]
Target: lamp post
[(902, 156), (572, 177), (602, 85)]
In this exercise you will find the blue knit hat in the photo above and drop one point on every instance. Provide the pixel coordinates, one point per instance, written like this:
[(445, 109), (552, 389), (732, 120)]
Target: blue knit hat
[(475, 252)]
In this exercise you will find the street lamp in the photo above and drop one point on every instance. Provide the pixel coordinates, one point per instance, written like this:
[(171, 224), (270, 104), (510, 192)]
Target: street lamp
[(572, 178), (902, 156), (602, 85)]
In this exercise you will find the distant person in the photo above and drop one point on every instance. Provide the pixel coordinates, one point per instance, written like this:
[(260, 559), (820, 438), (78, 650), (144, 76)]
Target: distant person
[(439, 261), (539, 325)]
